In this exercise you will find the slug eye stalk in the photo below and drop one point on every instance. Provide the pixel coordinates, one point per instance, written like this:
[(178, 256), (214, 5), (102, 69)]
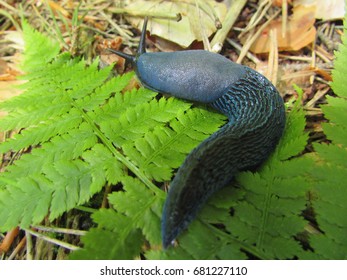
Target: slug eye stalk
[(141, 48)]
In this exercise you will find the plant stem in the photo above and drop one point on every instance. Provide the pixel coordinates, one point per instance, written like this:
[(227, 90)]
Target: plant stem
[(221, 34), (53, 240)]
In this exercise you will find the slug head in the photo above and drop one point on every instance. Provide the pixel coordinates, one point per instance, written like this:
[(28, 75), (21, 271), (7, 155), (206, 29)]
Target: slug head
[(194, 75)]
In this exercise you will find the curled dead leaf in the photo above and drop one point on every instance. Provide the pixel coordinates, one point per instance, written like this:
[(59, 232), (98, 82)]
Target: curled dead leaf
[(198, 20), (299, 33)]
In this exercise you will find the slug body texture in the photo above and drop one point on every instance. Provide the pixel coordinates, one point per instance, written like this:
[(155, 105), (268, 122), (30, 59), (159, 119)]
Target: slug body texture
[(199, 76), (256, 121)]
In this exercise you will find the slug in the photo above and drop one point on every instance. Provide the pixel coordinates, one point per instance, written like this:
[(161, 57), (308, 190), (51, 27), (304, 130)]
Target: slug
[(252, 104)]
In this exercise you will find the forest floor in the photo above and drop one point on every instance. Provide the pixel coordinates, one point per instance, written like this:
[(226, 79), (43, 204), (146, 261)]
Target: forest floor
[(290, 42)]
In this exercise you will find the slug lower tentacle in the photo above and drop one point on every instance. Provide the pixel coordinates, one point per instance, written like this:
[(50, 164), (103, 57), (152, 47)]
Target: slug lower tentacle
[(256, 122)]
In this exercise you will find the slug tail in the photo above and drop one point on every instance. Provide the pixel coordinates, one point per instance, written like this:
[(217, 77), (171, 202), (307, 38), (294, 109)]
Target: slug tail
[(256, 122), (196, 180)]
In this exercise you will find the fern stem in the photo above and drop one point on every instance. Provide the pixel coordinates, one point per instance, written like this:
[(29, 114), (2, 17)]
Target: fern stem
[(61, 230), (86, 209), (29, 246), (264, 217), (53, 240), (132, 167)]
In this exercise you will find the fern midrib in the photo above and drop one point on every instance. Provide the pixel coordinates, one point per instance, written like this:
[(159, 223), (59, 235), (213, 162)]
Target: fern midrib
[(117, 154), (265, 215), (164, 147)]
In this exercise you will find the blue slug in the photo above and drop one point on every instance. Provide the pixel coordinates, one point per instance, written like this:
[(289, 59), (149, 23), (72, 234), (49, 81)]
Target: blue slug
[(256, 121)]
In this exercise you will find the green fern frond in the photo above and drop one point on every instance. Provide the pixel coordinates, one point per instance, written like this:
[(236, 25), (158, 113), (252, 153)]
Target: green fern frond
[(77, 121), (43, 132), (138, 210), (39, 50), (335, 111), (339, 87), (294, 140), (103, 167), (112, 240), (330, 175), (134, 121), (53, 175), (104, 93), (142, 206)]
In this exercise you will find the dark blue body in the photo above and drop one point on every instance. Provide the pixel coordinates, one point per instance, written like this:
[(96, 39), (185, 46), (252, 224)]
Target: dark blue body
[(199, 76), (256, 122)]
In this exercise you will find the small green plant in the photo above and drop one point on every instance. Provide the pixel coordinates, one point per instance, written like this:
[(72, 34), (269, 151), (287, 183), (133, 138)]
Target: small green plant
[(85, 133), (79, 131), (330, 173)]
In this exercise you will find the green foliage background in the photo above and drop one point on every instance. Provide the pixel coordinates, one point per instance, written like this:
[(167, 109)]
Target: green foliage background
[(86, 132)]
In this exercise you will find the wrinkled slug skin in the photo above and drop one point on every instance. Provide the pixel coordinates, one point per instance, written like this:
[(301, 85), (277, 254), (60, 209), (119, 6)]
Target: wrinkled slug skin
[(256, 122)]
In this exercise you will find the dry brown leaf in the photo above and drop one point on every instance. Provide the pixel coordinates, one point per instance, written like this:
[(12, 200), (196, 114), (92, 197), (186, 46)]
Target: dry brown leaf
[(299, 33), (194, 25), (107, 57), (326, 9)]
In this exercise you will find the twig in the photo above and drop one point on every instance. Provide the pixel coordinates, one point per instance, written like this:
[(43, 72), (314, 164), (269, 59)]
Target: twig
[(232, 15), (140, 13), (251, 39), (319, 94), (295, 57), (264, 6), (323, 54), (284, 17), (299, 74), (273, 58), (18, 248), (60, 230), (206, 42), (29, 246), (53, 240), (239, 48), (120, 31), (207, 8), (9, 16)]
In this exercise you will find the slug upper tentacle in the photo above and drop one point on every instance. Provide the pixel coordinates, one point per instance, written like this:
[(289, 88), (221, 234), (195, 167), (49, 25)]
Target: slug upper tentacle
[(256, 122)]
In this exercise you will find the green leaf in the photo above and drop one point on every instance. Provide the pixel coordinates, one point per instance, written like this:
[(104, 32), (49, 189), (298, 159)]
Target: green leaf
[(330, 175), (39, 50), (142, 206)]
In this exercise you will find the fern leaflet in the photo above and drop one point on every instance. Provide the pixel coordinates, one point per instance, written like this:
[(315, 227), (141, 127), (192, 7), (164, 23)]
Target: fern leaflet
[(330, 189)]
